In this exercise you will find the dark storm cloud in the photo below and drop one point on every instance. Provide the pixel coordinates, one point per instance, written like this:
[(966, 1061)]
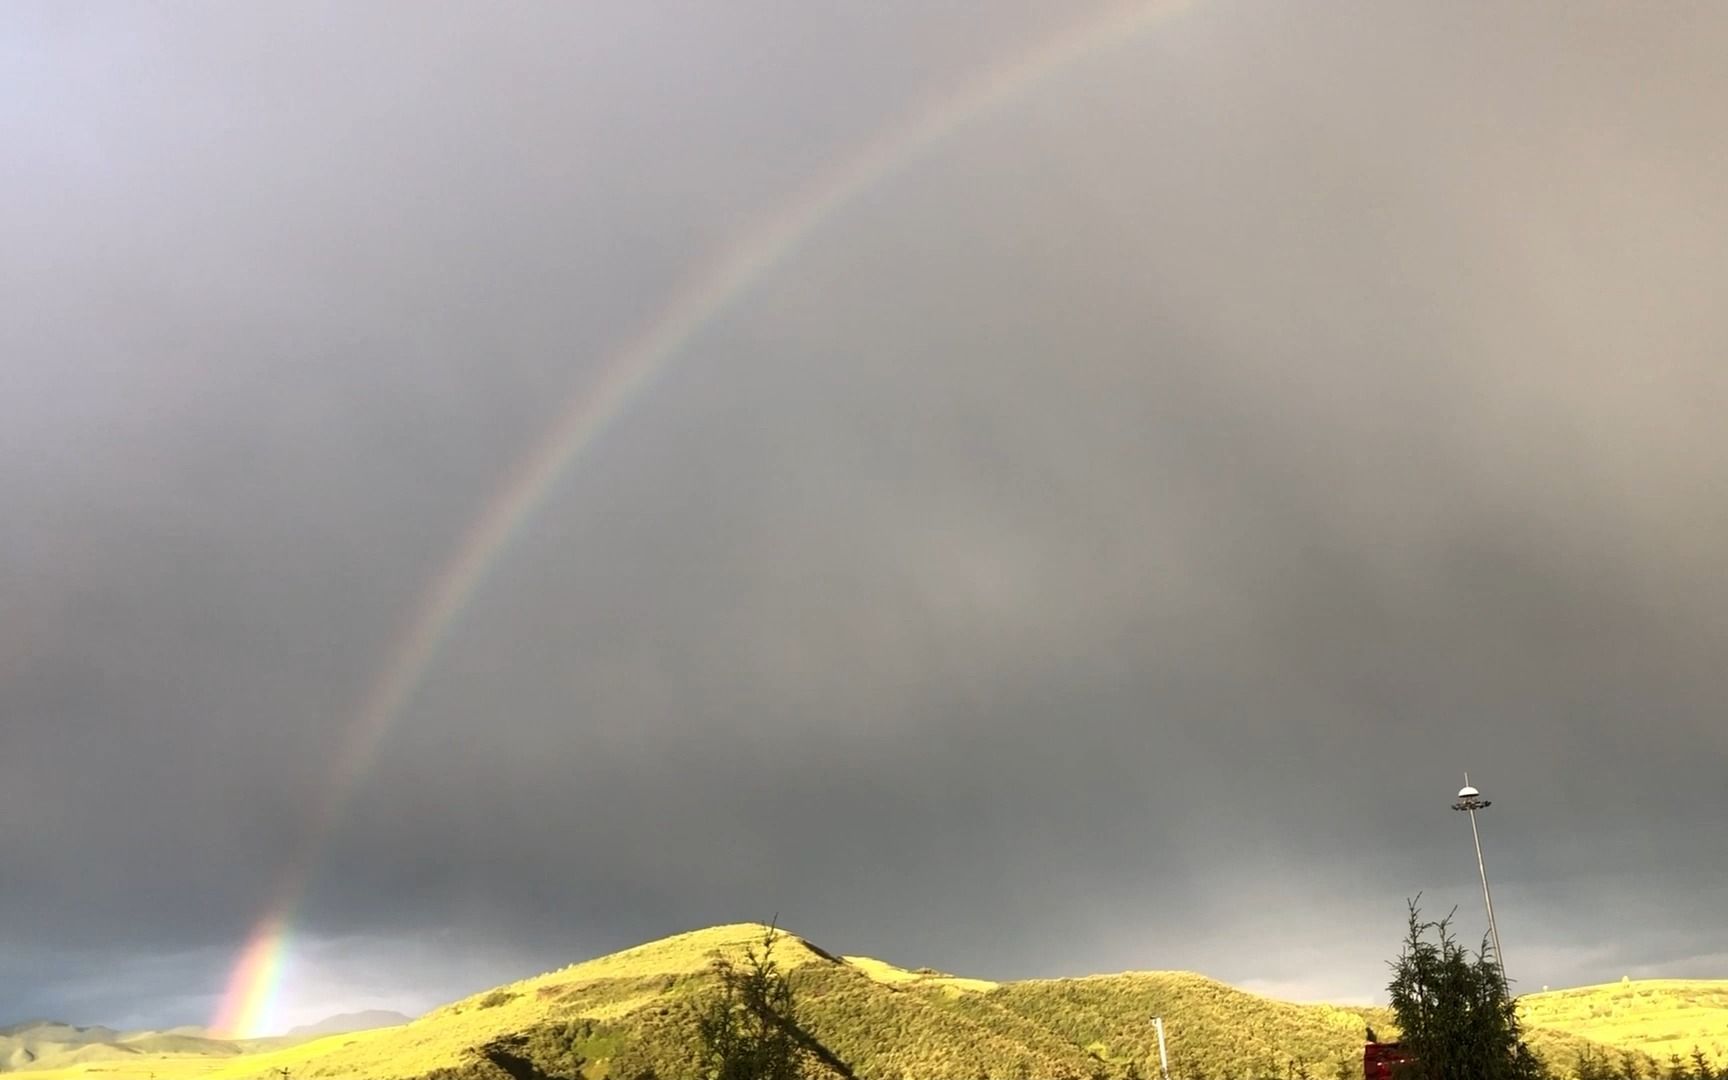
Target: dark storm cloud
[(1104, 545)]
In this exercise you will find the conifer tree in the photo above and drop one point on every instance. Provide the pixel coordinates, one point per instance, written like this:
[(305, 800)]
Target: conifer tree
[(748, 1033), (1453, 1008), (1701, 1066)]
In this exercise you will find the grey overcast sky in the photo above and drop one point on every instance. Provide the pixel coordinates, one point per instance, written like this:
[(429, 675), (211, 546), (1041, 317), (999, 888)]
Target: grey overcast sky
[(1104, 543)]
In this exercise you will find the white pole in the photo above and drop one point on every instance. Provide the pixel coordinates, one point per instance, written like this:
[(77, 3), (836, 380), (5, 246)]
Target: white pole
[(1488, 900), (1469, 799), (1163, 1060)]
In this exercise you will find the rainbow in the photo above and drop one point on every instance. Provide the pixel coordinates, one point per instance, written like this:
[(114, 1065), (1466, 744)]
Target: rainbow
[(627, 374), (246, 1008)]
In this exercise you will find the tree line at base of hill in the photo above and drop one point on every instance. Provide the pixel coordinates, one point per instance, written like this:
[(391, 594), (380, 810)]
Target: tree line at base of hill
[(1592, 1066)]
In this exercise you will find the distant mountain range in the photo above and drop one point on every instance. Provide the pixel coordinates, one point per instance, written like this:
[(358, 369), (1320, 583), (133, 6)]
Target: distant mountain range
[(342, 1023), (53, 1044), (41, 1043), (635, 1011)]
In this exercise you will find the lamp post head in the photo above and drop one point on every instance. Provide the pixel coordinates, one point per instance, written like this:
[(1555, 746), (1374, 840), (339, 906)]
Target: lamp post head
[(1470, 799)]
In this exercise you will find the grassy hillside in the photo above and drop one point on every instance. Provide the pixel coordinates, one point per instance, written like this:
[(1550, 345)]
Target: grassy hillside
[(1657, 1016), (1211, 1030), (634, 1012)]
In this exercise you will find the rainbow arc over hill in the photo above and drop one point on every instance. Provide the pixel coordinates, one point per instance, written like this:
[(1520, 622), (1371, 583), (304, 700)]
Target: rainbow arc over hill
[(247, 1004)]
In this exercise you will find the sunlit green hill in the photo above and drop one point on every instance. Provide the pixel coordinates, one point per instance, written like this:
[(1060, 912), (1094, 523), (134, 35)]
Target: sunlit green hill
[(634, 1012), (1660, 1017), (1211, 1029)]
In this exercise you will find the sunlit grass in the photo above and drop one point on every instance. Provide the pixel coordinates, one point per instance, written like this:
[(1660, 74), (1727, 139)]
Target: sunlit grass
[(897, 976), (1658, 1016)]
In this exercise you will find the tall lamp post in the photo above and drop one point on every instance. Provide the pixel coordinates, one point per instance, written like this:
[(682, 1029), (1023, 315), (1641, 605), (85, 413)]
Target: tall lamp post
[(1469, 801)]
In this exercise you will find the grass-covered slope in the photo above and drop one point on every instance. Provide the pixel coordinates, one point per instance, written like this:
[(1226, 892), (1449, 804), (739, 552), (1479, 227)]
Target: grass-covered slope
[(1660, 1017), (634, 1013), (1211, 1030)]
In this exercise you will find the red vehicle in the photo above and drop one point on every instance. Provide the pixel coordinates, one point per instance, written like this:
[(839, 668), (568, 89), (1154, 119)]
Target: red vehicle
[(1386, 1061)]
